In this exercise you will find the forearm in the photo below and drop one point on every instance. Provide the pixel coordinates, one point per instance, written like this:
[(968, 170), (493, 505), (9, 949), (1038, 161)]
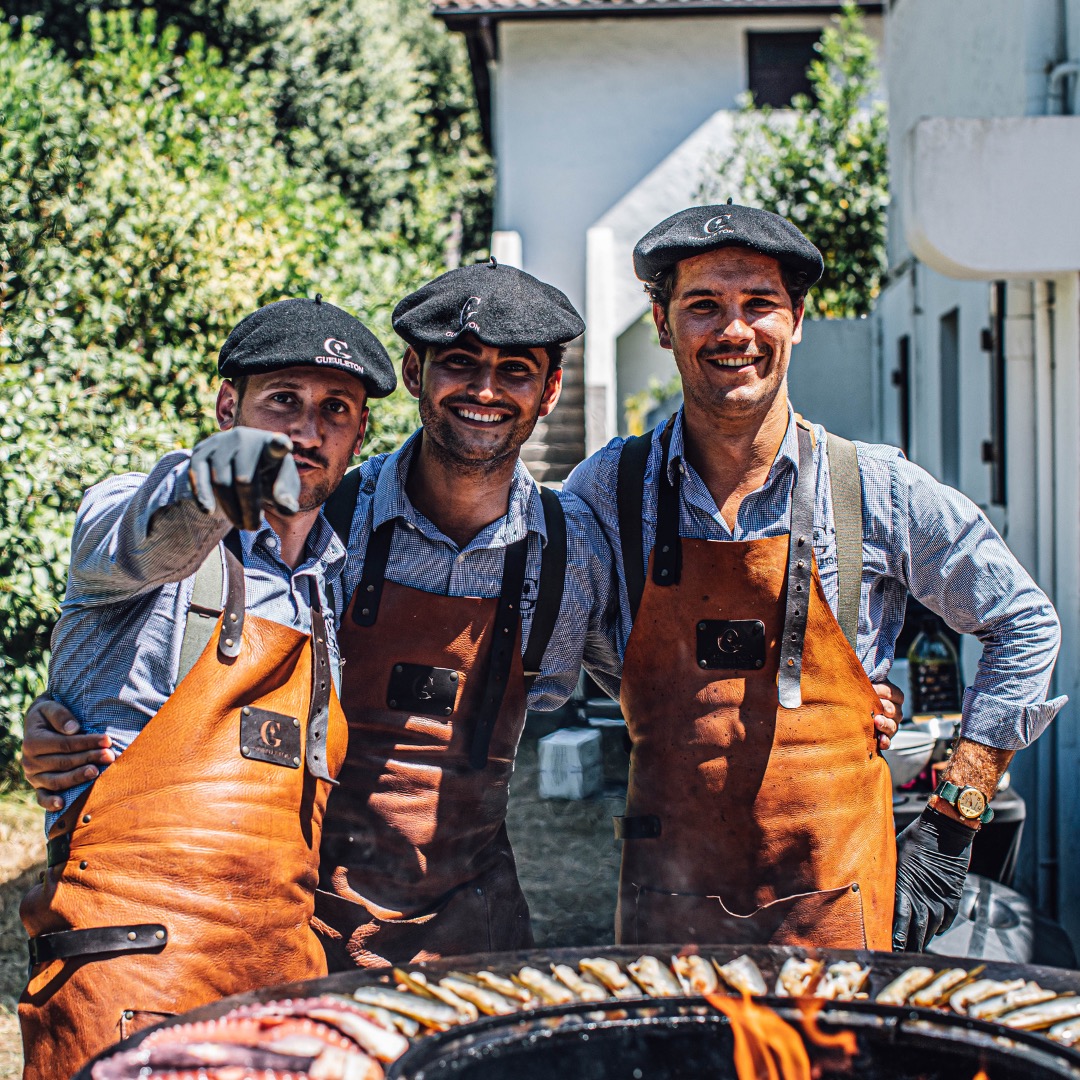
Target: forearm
[(973, 765), (134, 534)]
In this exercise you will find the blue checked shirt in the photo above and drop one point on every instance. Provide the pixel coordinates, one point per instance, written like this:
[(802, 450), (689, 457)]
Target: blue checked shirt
[(137, 544), (918, 536), (422, 557)]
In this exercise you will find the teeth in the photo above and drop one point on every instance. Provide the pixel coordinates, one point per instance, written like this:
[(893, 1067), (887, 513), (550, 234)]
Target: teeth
[(484, 418), (738, 361)]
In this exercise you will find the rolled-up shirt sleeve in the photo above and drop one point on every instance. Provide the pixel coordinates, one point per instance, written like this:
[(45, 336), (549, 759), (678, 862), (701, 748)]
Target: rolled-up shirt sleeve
[(136, 532), (955, 563)]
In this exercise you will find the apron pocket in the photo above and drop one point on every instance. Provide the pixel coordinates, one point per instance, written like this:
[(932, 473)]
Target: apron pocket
[(831, 918), (136, 1020)]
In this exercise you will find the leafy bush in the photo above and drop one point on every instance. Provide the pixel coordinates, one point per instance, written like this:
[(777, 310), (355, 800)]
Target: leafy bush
[(825, 168), (150, 200)]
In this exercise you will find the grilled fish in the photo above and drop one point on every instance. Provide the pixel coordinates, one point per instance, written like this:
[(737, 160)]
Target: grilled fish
[(939, 988), (972, 993), (1044, 1014), (654, 977), (904, 985), (742, 974), (428, 1011), (506, 987), (544, 986), (610, 975), (488, 1001), (582, 988), (696, 973), (1029, 994)]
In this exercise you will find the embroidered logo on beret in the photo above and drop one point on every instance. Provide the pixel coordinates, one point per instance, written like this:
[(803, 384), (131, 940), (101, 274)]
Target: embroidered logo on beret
[(337, 347), (719, 224), (467, 319)]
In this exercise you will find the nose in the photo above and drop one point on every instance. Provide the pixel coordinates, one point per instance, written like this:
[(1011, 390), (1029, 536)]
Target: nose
[(306, 428), (734, 327), (482, 383)]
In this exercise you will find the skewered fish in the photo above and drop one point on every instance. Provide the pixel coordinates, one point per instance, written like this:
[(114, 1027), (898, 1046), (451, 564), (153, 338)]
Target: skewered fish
[(484, 998), (1044, 1014), (418, 983), (582, 987), (610, 975), (1067, 1032), (972, 993), (696, 973), (842, 981), (544, 986), (939, 988), (742, 974), (904, 985), (506, 987), (654, 977), (1030, 993), (797, 977), (428, 1011)]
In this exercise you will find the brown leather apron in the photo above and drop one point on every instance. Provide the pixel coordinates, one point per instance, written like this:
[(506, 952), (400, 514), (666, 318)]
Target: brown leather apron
[(416, 863), (750, 821), (188, 871)]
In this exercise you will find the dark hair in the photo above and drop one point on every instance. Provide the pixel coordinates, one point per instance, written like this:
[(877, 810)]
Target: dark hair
[(240, 383), (662, 287), (555, 355)]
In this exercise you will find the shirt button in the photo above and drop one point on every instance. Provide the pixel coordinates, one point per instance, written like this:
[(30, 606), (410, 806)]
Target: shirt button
[(271, 541)]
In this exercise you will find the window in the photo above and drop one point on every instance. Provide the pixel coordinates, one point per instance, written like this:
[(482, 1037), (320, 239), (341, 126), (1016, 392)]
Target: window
[(777, 63)]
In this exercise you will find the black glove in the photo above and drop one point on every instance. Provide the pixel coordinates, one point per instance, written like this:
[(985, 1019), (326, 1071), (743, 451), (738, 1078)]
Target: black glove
[(931, 866), (243, 470)]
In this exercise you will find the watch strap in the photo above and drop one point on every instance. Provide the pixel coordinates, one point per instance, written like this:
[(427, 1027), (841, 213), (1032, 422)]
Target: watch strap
[(950, 792)]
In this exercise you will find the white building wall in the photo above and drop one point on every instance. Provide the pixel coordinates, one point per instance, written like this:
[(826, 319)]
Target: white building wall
[(584, 108)]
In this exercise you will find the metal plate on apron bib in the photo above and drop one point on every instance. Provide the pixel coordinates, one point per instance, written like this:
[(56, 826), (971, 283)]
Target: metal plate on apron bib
[(731, 644), (270, 736), (420, 688)]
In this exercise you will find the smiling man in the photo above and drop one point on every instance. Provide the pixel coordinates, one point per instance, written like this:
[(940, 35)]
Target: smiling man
[(197, 639), (764, 570), (474, 594)]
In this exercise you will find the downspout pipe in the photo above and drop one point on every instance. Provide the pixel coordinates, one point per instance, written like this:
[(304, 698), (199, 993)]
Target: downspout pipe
[(1056, 96)]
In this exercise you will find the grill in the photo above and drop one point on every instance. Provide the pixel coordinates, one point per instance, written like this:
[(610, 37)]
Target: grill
[(687, 1037)]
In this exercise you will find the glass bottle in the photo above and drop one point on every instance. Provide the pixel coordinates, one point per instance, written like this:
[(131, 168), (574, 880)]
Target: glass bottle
[(934, 671)]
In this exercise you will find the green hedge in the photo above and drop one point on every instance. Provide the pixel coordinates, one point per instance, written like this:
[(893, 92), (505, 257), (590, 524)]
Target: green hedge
[(153, 194)]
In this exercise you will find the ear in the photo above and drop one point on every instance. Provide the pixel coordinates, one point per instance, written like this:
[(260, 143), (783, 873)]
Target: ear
[(362, 432), (659, 315), (800, 311), (225, 408), (552, 390), (412, 374)]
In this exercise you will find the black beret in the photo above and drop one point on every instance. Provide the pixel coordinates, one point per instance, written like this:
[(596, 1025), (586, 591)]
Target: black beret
[(500, 305), (302, 333), (705, 228)]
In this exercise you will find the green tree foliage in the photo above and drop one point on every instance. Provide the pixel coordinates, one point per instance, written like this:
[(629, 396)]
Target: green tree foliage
[(152, 194), (823, 165)]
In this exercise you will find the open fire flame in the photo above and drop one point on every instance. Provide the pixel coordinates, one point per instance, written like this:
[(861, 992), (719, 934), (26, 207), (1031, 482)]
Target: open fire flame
[(767, 1047)]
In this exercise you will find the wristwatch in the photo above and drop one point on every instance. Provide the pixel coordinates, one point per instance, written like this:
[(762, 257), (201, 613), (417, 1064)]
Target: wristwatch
[(970, 802)]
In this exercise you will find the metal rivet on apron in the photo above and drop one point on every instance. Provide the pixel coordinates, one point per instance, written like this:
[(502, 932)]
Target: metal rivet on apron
[(245, 750), (506, 629), (397, 669), (663, 573), (701, 663), (131, 937), (83, 865), (232, 616), (800, 564), (352, 839), (453, 676), (479, 891), (448, 710), (228, 641), (370, 588), (365, 611), (296, 761), (802, 540), (392, 704), (665, 548), (128, 1014), (794, 637), (798, 588), (510, 606), (790, 663), (246, 711), (160, 935), (86, 819), (759, 663), (296, 723), (701, 626), (855, 887)]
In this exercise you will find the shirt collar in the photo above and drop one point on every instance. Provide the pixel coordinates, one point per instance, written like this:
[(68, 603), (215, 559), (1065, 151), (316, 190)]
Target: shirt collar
[(323, 548), (525, 512), (787, 455)]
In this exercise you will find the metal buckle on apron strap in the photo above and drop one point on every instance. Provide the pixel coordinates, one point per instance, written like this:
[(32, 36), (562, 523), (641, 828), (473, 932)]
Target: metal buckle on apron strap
[(645, 827), (58, 850), (96, 941)]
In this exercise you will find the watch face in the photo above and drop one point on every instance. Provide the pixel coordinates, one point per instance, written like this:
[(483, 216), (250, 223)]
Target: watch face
[(971, 802)]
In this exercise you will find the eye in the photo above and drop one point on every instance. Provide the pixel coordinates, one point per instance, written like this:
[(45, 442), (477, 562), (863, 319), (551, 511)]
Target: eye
[(283, 397), (338, 407)]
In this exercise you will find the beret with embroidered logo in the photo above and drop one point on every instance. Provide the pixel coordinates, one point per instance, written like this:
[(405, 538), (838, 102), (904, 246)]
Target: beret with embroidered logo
[(705, 228), (307, 333), (500, 305)]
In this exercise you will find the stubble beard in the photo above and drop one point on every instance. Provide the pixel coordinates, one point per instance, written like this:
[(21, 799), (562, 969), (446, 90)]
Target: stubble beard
[(454, 452)]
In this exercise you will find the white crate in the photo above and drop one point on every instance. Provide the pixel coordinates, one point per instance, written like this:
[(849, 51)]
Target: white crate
[(571, 764)]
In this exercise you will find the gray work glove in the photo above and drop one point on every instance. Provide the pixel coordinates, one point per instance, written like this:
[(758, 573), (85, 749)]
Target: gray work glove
[(244, 470), (933, 853)]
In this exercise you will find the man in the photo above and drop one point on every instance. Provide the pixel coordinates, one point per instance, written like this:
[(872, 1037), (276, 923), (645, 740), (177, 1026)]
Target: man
[(758, 810), (474, 593), (187, 870)]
